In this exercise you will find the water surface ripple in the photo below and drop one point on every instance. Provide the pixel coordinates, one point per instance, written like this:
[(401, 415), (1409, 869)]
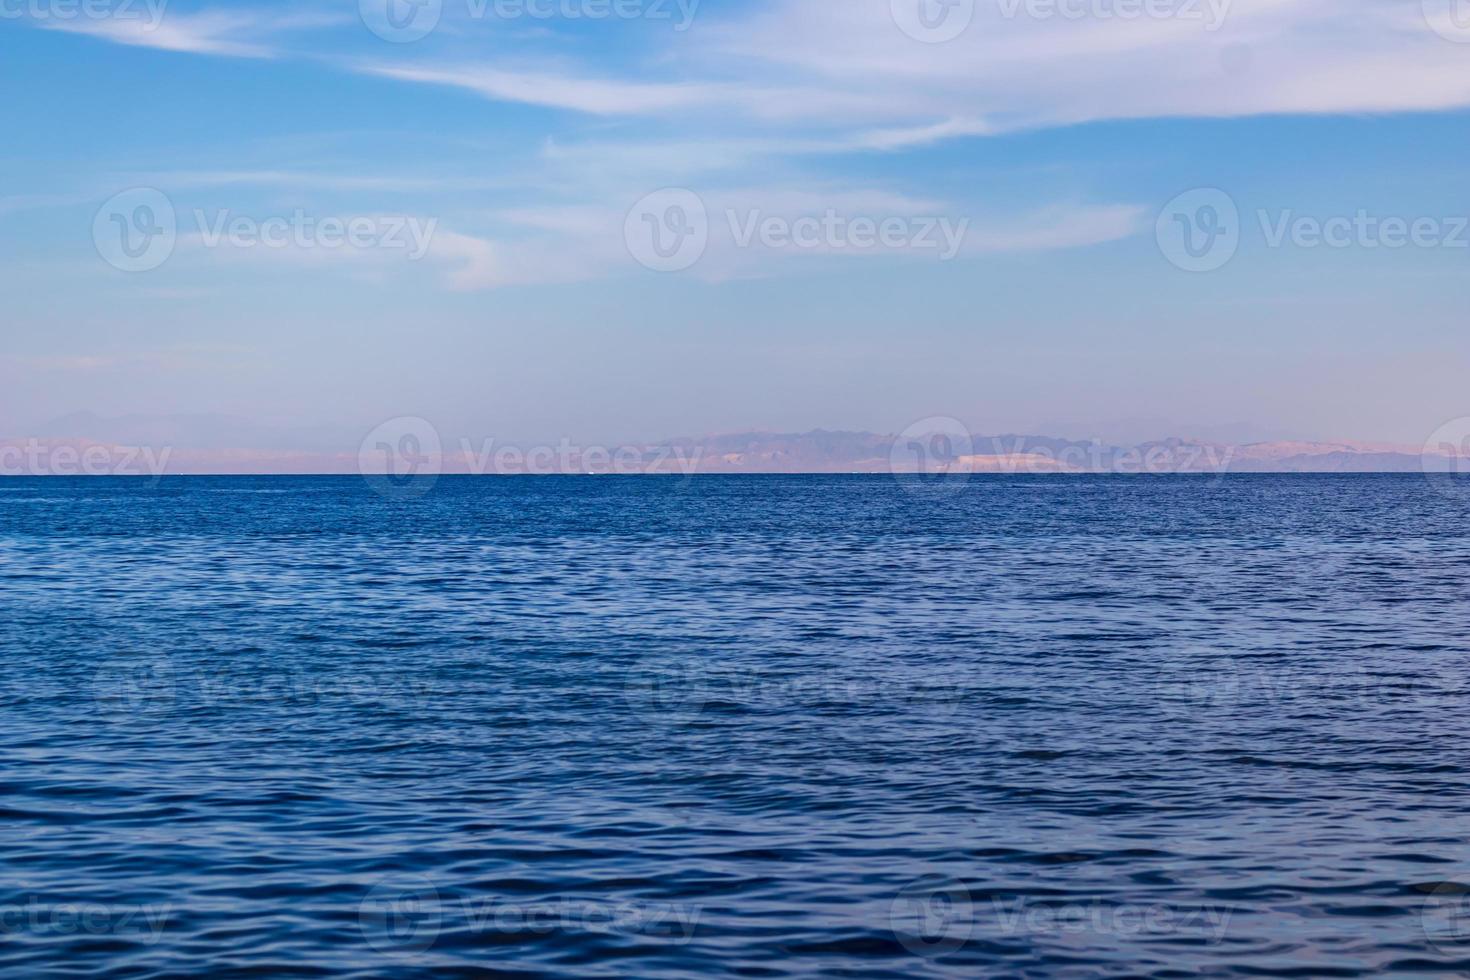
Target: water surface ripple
[(734, 726)]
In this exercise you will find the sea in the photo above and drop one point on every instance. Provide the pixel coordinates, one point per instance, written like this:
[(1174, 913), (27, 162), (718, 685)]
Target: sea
[(735, 726)]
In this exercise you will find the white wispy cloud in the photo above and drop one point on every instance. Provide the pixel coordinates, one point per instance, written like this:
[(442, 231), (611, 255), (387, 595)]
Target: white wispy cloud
[(796, 78), (308, 180), (577, 243), (792, 64), (472, 263), (1057, 228), (600, 96), (10, 203), (909, 136), (175, 358), (1247, 57), (204, 33), (777, 89), (232, 33)]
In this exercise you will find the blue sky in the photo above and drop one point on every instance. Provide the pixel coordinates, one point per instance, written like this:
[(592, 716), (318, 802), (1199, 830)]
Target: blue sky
[(524, 147)]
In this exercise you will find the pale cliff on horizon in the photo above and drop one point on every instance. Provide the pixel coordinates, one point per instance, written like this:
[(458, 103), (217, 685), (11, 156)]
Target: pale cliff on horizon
[(85, 444)]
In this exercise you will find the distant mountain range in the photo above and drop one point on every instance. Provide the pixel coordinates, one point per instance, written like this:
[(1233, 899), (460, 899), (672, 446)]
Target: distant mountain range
[(218, 444), (842, 452)]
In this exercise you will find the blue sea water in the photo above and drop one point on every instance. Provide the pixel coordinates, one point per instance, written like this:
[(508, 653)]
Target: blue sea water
[(735, 726)]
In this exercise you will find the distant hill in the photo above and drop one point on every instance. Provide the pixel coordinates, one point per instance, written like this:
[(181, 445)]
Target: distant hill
[(823, 452), (219, 444)]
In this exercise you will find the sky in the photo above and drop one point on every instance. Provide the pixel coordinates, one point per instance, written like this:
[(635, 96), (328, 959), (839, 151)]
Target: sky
[(613, 220)]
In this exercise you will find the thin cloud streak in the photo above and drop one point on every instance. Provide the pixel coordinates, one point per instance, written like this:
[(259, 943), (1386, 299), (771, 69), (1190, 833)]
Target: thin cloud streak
[(207, 33), (795, 63)]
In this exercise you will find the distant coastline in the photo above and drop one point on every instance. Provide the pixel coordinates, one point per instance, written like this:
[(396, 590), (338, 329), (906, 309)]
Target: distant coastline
[(86, 445)]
